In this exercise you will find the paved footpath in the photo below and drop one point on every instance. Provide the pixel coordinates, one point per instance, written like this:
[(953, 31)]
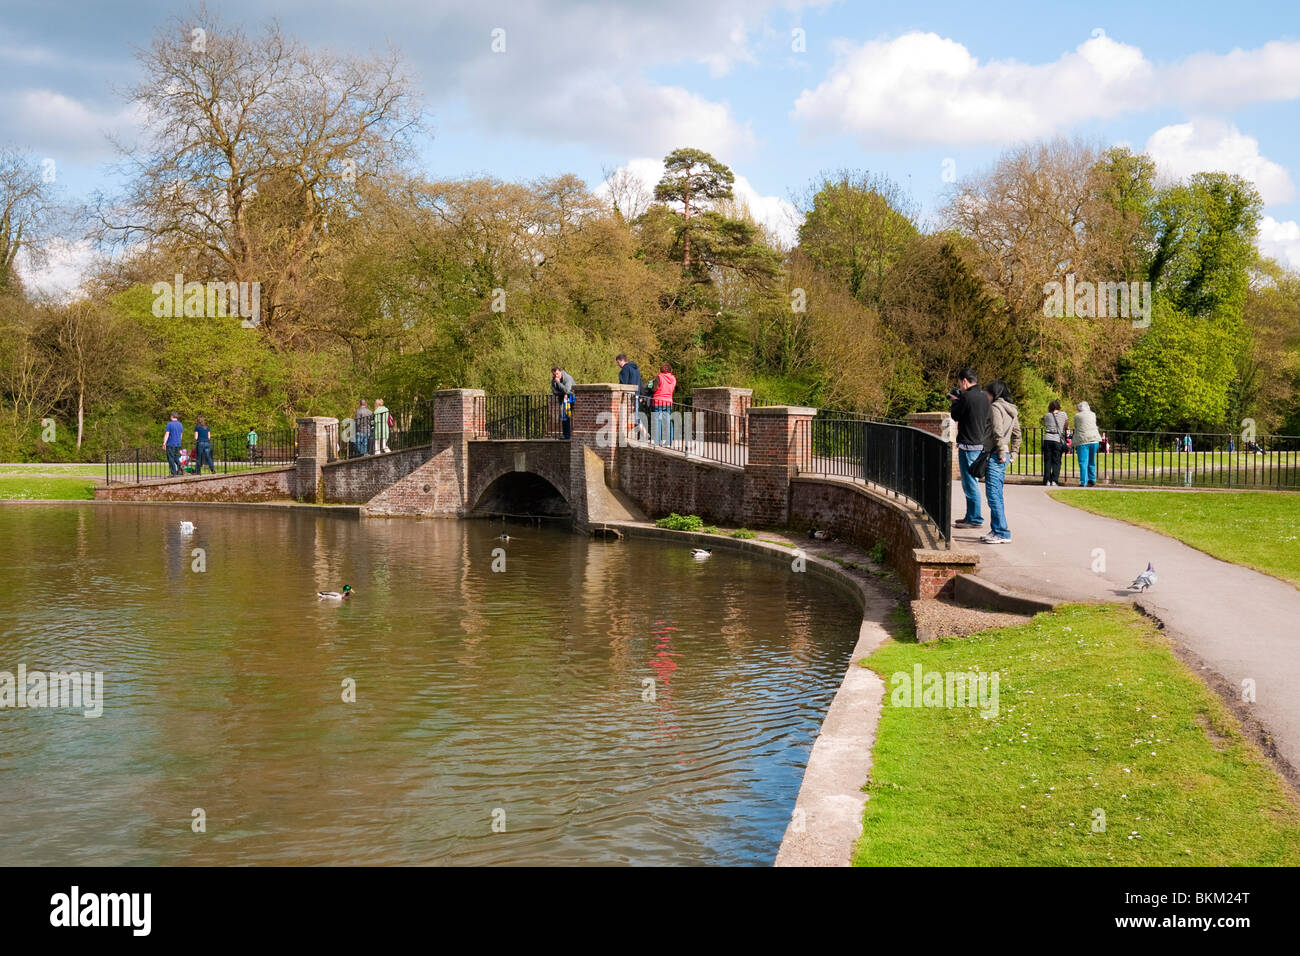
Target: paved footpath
[(1242, 623)]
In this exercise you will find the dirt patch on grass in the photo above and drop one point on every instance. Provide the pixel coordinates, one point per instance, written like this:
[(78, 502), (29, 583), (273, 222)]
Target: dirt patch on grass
[(937, 618)]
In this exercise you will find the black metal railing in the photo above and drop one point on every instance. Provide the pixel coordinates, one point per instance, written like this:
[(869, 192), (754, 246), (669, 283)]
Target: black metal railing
[(381, 431), (1176, 459), (903, 461), (523, 416), (269, 448), (695, 432)]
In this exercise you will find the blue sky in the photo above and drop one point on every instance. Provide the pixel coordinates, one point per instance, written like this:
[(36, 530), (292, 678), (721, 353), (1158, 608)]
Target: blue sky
[(585, 87)]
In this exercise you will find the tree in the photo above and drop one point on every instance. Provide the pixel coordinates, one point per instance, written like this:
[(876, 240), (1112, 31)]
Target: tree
[(83, 335), (26, 210), (1179, 375), (254, 146), (692, 176), (1204, 234), (856, 226)]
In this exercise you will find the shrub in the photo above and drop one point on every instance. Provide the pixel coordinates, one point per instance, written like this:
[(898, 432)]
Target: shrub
[(676, 522), (744, 533)]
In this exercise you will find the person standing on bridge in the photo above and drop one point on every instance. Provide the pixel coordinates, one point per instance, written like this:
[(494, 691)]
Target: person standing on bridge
[(970, 410), (562, 388), (630, 374), (172, 436), (662, 404), (362, 422), (383, 427)]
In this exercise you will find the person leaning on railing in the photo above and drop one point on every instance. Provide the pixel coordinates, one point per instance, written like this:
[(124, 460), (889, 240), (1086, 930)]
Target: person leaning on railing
[(970, 410), (562, 388)]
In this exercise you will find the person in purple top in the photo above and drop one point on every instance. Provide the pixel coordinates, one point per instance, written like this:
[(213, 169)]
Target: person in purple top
[(172, 443)]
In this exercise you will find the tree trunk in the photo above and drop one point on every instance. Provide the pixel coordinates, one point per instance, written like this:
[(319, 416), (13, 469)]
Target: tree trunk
[(81, 411)]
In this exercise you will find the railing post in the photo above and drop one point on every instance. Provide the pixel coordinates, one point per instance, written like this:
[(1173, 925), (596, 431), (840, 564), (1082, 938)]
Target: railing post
[(777, 436), (137, 466)]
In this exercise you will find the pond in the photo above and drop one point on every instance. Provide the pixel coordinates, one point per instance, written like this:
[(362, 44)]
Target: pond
[(586, 703)]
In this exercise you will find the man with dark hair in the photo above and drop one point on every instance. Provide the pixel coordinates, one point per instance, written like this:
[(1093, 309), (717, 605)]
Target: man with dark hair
[(172, 435), (972, 413), (630, 374), (562, 389)]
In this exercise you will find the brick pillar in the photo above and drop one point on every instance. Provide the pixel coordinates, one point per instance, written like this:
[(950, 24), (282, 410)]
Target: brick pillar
[(600, 422), (460, 411), (314, 438), (778, 436), (941, 424), (727, 401)]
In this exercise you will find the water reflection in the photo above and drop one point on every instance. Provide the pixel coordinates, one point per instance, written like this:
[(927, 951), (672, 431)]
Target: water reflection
[(477, 691)]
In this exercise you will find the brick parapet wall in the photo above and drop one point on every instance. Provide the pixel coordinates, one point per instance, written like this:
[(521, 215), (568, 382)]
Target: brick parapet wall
[(279, 484), (861, 516)]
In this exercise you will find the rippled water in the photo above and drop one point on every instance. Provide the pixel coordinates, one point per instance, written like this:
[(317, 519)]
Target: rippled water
[(515, 697)]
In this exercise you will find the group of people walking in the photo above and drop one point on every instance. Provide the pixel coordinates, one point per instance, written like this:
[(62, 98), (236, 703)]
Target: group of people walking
[(655, 395)]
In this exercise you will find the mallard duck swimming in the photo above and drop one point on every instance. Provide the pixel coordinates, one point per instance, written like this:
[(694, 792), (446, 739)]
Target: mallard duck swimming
[(701, 554), (335, 595)]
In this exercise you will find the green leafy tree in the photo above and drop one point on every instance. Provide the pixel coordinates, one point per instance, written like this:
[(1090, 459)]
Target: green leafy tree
[(1204, 234), (693, 178), (1180, 374)]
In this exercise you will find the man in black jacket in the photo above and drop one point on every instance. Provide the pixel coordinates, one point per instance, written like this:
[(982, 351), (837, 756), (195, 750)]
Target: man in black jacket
[(974, 418), (630, 374)]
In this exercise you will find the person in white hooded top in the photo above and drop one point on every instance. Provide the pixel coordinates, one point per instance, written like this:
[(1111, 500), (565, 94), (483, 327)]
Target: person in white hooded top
[(1086, 439)]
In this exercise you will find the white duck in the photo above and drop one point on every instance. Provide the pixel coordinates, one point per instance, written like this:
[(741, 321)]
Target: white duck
[(701, 554), (187, 527)]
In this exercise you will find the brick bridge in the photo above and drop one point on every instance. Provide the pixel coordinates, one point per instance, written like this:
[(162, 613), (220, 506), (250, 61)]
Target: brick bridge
[(597, 479)]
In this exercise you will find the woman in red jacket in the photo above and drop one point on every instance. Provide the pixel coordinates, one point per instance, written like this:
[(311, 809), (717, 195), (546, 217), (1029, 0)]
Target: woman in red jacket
[(661, 404)]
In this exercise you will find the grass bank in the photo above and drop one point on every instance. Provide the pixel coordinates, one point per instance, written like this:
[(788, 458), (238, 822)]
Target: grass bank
[(1096, 723), (44, 487), (1257, 529)]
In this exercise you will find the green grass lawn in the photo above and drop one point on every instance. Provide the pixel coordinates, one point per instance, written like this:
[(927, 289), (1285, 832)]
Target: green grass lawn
[(78, 469), (39, 487), (1257, 529), (1094, 713)]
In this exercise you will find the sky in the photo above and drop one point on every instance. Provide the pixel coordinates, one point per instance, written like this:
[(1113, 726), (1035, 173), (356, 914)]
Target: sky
[(780, 91)]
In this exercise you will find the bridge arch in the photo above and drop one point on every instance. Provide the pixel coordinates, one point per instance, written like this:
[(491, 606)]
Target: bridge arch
[(508, 477)]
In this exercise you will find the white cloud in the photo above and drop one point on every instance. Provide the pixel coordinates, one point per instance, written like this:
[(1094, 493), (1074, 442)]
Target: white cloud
[(1280, 241), (921, 89), (777, 215), (1210, 146), (61, 126), (64, 267)]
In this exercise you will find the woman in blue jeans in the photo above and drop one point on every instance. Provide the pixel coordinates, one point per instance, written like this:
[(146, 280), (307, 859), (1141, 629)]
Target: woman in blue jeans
[(203, 446), (1086, 440), (1004, 445)]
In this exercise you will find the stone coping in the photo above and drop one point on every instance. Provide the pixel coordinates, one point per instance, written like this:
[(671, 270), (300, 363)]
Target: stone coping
[(722, 388), (458, 391), (353, 511), (827, 818), (604, 387), (782, 410), (388, 454), (685, 456), (178, 480)]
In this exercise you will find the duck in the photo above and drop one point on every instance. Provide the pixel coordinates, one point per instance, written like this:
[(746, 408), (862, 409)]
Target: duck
[(820, 535), (335, 595), (503, 536), (187, 527), (701, 554)]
